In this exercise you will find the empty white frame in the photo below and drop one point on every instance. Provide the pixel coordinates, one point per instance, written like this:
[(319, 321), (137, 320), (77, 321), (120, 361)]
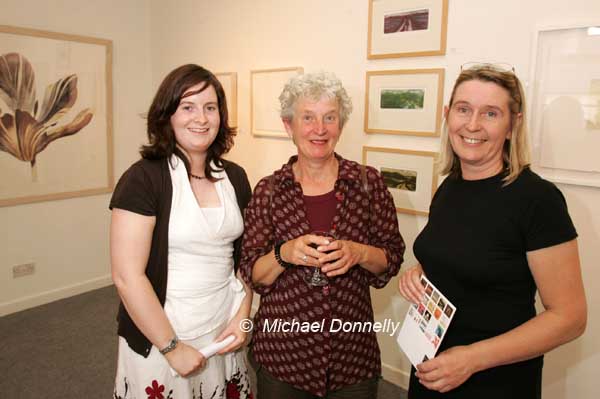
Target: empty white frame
[(229, 82), (265, 87), (565, 104)]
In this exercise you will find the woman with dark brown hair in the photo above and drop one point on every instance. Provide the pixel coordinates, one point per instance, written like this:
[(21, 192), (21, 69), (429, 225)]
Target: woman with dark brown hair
[(175, 237)]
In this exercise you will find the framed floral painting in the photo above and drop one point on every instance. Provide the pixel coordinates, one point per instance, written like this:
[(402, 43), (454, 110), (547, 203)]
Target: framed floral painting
[(56, 116)]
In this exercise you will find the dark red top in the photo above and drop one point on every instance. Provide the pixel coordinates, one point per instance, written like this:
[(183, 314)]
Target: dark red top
[(319, 362), (320, 210)]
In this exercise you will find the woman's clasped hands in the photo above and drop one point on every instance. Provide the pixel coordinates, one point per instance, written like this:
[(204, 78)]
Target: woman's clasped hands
[(334, 257)]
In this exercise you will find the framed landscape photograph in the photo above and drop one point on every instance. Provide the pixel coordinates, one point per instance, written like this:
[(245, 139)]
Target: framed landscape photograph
[(265, 87), (565, 103), (56, 113), (407, 28), (407, 102), (229, 82), (409, 175)]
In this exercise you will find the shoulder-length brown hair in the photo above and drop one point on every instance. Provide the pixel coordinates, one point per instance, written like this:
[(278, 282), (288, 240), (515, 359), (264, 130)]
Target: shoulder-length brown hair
[(161, 137), (515, 153)]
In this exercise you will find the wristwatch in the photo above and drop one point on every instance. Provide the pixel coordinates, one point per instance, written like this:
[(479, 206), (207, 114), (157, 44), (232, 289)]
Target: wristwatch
[(170, 347), (278, 258)]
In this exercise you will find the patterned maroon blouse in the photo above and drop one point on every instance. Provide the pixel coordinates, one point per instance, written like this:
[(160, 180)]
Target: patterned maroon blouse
[(319, 362)]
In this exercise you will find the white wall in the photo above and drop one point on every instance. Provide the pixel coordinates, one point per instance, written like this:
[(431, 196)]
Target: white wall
[(68, 239), (240, 36)]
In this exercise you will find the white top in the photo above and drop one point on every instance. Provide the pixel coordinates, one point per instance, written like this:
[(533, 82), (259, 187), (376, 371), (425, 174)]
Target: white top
[(213, 217), (202, 291)]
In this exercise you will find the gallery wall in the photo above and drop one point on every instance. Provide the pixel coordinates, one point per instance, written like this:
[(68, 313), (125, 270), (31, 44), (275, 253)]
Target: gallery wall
[(239, 36), (68, 239)]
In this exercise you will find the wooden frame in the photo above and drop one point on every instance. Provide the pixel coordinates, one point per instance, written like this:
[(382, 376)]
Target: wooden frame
[(62, 147), (229, 82), (407, 28), (565, 102), (409, 175), (265, 87), (416, 102)]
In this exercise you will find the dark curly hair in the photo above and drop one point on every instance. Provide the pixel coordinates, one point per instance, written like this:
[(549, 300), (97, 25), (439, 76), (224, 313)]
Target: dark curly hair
[(162, 143)]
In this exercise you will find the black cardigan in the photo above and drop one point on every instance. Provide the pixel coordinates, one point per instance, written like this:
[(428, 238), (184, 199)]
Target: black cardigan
[(146, 188)]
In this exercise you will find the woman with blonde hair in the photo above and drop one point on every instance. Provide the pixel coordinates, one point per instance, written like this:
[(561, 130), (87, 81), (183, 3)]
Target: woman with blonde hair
[(497, 232)]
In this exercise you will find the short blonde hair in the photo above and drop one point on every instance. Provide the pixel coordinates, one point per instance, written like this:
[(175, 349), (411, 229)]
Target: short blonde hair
[(314, 86), (515, 153)]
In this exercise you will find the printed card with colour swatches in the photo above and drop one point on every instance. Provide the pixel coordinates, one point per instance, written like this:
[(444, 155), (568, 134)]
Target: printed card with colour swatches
[(425, 324)]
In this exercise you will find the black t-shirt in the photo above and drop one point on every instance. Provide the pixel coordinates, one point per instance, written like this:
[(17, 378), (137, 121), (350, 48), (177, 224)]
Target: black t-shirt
[(474, 249)]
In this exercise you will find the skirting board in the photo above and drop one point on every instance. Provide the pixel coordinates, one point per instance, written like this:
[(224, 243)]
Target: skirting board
[(53, 295), (395, 376)]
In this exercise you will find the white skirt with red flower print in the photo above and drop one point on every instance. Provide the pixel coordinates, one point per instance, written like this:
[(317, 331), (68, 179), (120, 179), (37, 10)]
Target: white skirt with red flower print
[(225, 376)]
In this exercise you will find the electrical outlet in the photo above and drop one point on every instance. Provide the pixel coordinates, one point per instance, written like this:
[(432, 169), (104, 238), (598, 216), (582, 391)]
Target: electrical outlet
[(25, 269)]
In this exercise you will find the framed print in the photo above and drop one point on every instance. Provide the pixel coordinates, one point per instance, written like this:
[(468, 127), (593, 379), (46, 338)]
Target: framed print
[(565, 104), (409, 175), (265, 87), (229, 82), (56, 112), (407, 28), (405, 101)]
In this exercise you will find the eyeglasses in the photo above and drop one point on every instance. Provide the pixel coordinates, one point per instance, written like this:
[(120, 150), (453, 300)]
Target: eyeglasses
[(496, 66)]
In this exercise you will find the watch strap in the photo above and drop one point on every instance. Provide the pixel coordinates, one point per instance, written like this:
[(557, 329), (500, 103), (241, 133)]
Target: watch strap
[(172, 345)]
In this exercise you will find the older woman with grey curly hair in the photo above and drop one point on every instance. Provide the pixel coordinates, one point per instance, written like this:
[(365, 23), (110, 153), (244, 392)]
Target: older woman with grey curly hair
[(319, 232)]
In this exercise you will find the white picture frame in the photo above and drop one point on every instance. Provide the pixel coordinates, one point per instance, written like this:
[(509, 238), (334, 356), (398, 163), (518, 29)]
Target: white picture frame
[(265, 87), (565, 103)]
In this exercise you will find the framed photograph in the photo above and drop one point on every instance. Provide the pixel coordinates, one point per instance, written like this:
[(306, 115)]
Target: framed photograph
[(229, 82), (405, 101), (565, 104), (56, 112), (265, 88), (409, 175), (407, 28)]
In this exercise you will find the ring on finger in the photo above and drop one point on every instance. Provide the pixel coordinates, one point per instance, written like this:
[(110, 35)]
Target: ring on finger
[(304, 258)]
